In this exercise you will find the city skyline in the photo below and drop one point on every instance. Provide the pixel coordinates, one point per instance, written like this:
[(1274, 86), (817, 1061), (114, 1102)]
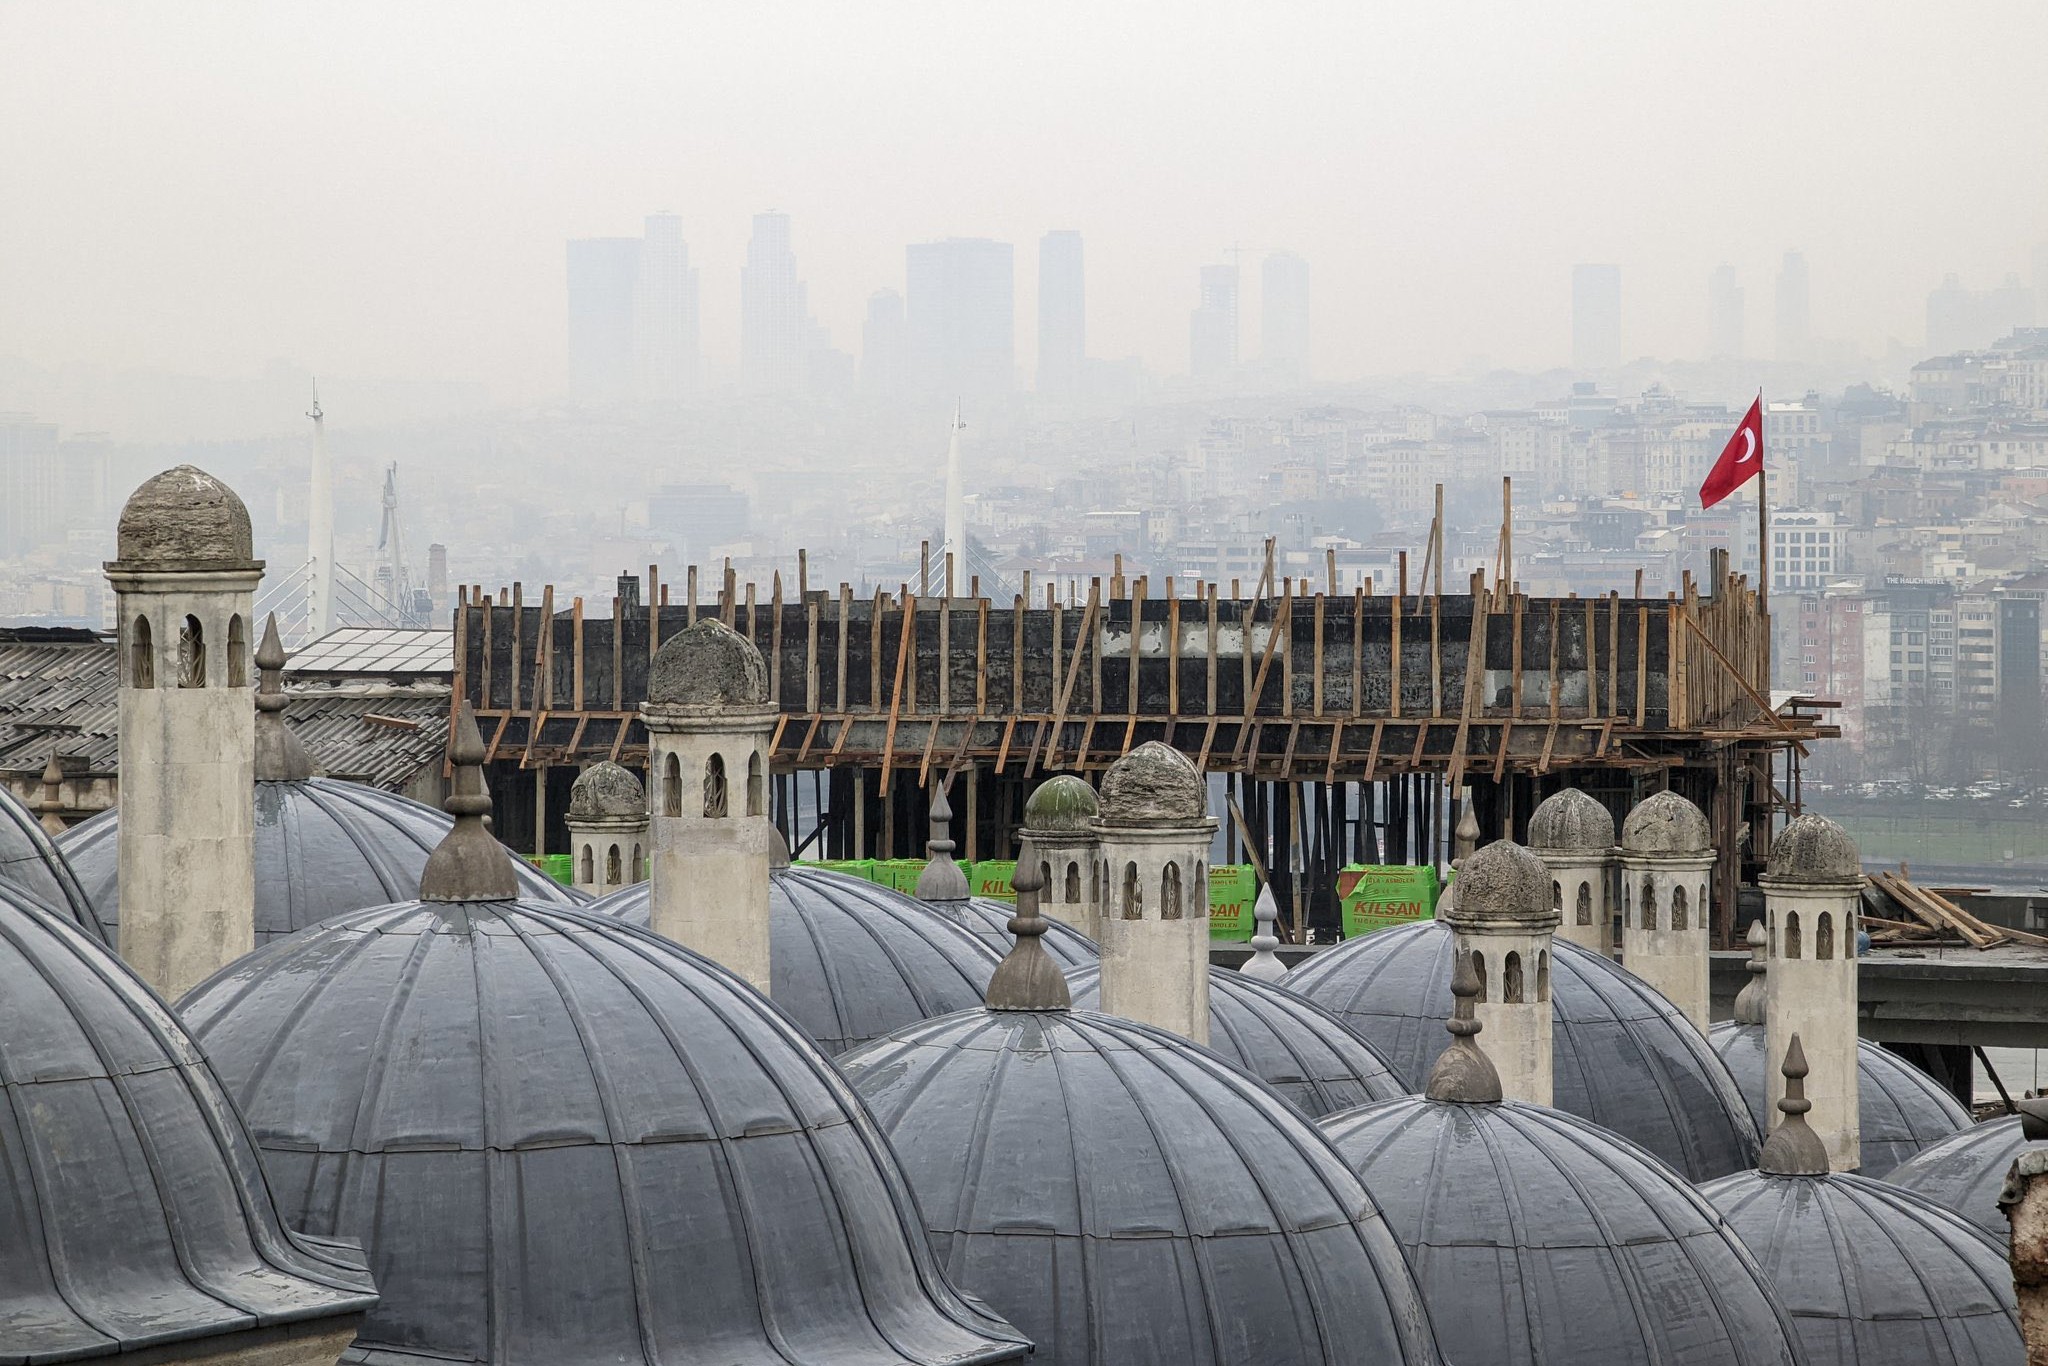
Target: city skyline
[(380, 223)]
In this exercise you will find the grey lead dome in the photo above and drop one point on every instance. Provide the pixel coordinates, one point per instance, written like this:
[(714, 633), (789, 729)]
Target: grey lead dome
[(566, 1142), (1308, 1055), (707, 665), (30, 860), (1543, 1240), (184, 518), (1873, 1275), (1063, 804), (1623, 1056), (133, 1211), (1900, 1109), (606, 789), (1570, 821), (1666, 823), (1124, 1197), (323, 847), (1963, 1172), (850, 960)]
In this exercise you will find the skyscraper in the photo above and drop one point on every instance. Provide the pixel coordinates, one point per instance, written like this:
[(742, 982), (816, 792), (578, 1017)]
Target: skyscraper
[(1795, 322), (1596, 317), (1212, 329), (960, 308), (665, 312), (884, 344), (1283, 317), (604, 273), (1062, 314), (1724, 314), (774, 332)]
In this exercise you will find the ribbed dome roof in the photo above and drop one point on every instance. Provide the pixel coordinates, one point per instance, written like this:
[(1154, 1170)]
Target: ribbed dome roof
[(1123, 1196), (323, 847), (1063, 804), (1296, 1047), (1154, 785), (988, 920), (1873, 1275), (29, 859), (1902, 1110), (1543, 1240), (850, 960), (1814, 849), (565, 1140), (132, 1208), (1623, 1056), (708, 666), (1571, 821), (1962, 1173)]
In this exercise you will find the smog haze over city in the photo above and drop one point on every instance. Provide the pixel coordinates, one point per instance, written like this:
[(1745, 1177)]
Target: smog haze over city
[(1225, 291)]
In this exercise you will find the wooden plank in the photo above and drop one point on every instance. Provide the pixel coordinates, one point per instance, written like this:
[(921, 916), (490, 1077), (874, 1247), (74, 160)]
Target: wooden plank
[(544, 689), (576, 644), (1394, 693), (810, 733), (774, 637), (839, 741), (1281, 627), (1556, 682), (1500, 752), (931, 733), (1421, 738), (896, 689), (1017, 655), (775, 736), (576, 738), (1172, 653), (845, 630), (1549, 746), (1336, 747), (1209, 664), (1003, 754), (875, 652), (484, 698), (618, 652), (1316, 689), (1613, 655), (540, 718), (981, 657), (519, 642), (810, 645), (1436, 653), (1642, 665), (1372, 755), (1515, 656), (1208, 739), (1358, 651), (618, 739), (1137, 628), (497, 737), (945, 657), (1073, 672)]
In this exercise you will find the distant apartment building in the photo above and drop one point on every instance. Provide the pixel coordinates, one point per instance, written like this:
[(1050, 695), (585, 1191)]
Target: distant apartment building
[(694, 518), (633, 316), (1596, 317), (960, 309), (776, 331), (1961, 319), (1807, 550), (1213, 327), (1062, 314)]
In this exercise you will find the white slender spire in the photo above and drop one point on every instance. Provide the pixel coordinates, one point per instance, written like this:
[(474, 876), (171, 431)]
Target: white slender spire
[(956, 511), (319, 532)]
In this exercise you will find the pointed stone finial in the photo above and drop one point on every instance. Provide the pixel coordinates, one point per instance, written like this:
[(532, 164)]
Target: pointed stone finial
[(280, 758), (1028, 978), (1794, 1149), (1264, 964), (942, 879), (1749, 1002), (1466, 838), (1463, 1073), (468, 864)]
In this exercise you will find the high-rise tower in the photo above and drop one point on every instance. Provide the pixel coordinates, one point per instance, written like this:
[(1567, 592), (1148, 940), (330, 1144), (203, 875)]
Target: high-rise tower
[(773, 311), (1283, 317), (1062, 314), (960, 305)]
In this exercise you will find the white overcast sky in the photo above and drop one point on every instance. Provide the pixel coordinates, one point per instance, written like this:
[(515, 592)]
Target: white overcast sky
[(385, 189)]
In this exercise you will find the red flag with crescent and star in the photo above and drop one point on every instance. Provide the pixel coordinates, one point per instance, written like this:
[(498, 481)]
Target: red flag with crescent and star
[(1741, 459)]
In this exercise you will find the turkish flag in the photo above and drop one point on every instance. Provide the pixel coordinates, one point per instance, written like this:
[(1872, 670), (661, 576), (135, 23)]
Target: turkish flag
[(1741, 459)]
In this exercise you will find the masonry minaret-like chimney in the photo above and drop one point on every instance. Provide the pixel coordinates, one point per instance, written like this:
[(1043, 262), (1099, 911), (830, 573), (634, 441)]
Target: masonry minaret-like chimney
[(1155, 829), (184, 584)]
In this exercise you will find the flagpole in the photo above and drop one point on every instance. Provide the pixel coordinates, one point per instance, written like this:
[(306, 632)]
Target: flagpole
[(1763, 542)]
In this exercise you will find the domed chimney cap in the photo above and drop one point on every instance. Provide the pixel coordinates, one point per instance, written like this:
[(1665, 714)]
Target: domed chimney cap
[(1153, 785), (1814, 849), (710, 667), (184, 518), (1061, 806), (1571, 822), (606, 791), (1666, 823), (1501, 885)]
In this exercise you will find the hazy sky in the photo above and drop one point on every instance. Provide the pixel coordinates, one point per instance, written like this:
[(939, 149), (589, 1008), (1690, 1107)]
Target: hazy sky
[(384, 189)]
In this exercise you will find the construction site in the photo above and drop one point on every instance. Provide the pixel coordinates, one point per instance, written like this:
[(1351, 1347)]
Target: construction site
[(1339, 728)]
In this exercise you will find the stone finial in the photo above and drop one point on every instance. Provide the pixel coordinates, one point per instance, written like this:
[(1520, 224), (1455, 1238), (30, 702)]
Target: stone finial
[(1502, 886), (942, 879), (185, 519), (1028, 978), (1463, 1073), (1749, 1002), (280, 758), (1794, 1149), (709, 667), (1153, 785), (468, 864), (1264, 963), (1465, 839), (1062, 805)]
